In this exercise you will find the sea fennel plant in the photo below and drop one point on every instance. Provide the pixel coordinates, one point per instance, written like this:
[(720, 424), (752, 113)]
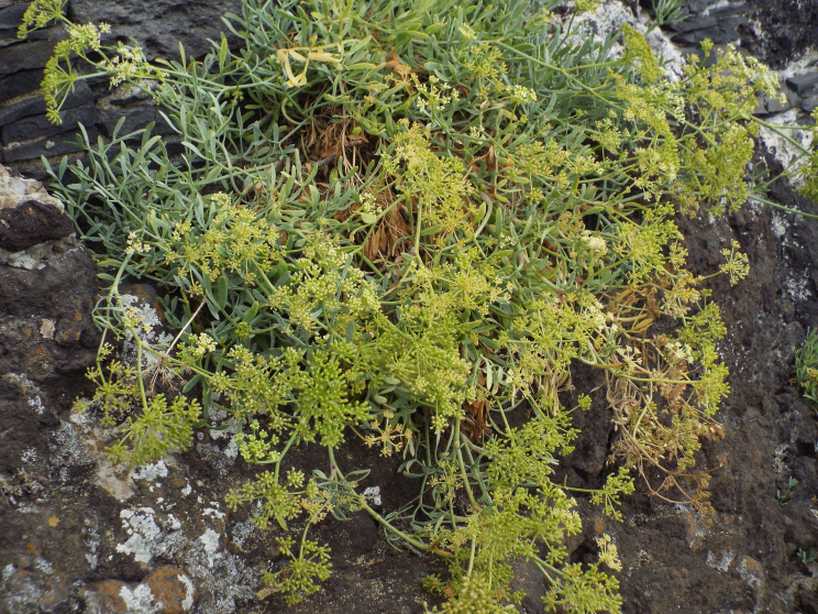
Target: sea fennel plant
[(405, 224)]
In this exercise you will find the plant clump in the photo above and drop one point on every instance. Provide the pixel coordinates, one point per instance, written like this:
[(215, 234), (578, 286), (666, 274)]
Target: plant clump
[(806, 366), (405, 223)]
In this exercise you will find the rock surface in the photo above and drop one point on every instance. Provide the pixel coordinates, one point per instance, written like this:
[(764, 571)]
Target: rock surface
[(78, 535), (158, 25), (47, 288), (756, 553)]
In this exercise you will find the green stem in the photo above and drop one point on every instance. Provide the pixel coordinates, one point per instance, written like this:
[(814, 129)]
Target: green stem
[(416, 543), (466, 480), (792, 210)]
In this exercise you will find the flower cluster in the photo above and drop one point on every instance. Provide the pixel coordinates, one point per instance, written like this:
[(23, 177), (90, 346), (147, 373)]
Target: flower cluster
[(39, 14), (234, 241), (436, 185)]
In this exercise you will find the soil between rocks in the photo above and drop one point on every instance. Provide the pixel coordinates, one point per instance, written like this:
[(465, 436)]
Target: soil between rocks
[(77, 537)]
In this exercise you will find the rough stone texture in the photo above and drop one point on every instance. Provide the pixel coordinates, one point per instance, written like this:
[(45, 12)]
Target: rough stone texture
[(30, 223), (78, 535), (46, 342), (158, 25), (787, 28), (47, 288), (745, 557), (781, 33)]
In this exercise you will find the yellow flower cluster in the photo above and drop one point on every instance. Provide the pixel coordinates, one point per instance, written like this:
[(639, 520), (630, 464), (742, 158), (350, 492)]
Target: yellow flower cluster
[(436, 185), (234, 241)]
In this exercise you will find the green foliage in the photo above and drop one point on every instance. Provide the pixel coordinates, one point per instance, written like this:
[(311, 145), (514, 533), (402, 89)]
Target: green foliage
[(666, 12), (808, 174), (584, 591), (806, 366), (145, 428), (83, 41), (158, 430), (406, 223), (302, 575), (736, 265), (39, 14)]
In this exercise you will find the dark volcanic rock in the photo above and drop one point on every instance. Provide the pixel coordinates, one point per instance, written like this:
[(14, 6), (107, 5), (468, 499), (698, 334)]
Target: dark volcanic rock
[(700, 19), (744, 556), (47, 288), (789, 27), (157, 25), (160, 25), (804, 83), (19, 83), (32, 222)]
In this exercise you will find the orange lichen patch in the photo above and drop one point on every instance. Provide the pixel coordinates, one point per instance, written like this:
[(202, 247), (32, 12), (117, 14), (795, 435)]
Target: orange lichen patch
[(108, 595), (168, 588), (53, 521)]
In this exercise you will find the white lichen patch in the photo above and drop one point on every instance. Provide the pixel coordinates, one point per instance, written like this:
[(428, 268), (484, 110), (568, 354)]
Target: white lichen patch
[(779, 458), (36, 404), (81, 418), (213, 512), (607, 20), (231, 451), (143, 533), (798, 288), (140, 599), (373, 494), (43, 565), (92, 543), (190, 591), (107, 478), (779, 226), (29, 456), (210, 541), (787, 142), (721, 4), (15, 190), (21, 260), (801, 64), (47, 328), (151, 323), (241, 532), (224, 581), (28, 389), (151, 472), (69, 447), (7, 572), (671, 57), (602, 23), (751, 572), (721, 563)]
